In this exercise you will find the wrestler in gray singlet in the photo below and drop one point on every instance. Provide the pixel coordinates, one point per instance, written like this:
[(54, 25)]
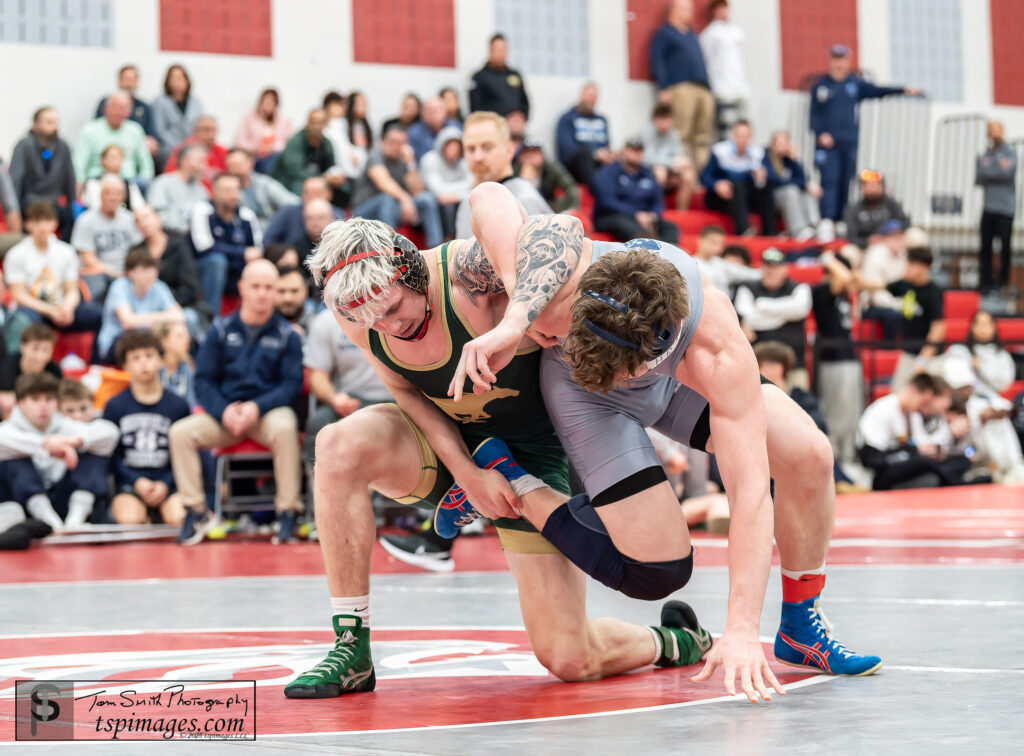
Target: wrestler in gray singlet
[(604, 434)]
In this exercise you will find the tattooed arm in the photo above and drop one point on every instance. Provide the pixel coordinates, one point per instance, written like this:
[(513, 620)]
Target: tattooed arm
[(532, 257), (472, 272)]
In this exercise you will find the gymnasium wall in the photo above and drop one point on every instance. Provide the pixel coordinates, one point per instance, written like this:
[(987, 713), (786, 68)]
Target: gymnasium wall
[(66, 52)]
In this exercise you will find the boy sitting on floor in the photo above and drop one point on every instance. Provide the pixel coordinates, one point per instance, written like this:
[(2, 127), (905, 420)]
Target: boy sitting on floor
[(53, 466), (144, 413)]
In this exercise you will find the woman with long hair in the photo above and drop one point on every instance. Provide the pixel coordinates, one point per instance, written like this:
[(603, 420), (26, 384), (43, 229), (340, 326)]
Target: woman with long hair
[(264, 131), (175, 111)]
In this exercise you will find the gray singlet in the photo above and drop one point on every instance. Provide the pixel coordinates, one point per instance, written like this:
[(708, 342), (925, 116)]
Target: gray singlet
[(604, 434)]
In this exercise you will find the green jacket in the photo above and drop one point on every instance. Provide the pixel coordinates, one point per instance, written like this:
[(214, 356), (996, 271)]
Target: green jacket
[(553, 177), (292, 165)]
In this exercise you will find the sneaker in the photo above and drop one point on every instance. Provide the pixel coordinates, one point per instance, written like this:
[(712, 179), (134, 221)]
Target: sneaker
[(455, 512), (419, 552), (285, 529), (805, 640), (826, 230), (193, 530), (348, 667), (683, 640)]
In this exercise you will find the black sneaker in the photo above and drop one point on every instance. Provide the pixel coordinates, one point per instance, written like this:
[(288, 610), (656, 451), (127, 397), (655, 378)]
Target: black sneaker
[(285, 528), (419, 552), (194, 529), (15, 538)]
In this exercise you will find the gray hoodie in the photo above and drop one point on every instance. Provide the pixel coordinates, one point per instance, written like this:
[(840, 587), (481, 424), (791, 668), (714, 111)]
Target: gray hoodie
[(441, 177), (996, 173), (19, 438)]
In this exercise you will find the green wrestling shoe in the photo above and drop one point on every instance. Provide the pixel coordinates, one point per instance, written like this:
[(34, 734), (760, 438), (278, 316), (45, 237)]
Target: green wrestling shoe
[(683, 640), (348, 667)]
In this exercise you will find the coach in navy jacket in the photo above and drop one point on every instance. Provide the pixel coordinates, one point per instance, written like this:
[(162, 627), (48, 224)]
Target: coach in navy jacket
[(628, 199), (834, 101), (248, 372)]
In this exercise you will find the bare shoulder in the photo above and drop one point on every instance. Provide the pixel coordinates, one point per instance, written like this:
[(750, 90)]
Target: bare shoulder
[(718, 335), (472, 272), (353, 331)]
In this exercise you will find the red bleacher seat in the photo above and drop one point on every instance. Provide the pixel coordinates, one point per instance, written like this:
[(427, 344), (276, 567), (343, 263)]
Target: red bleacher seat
[(956, 330), (588, 224), (867, 330), (1015, 388), (692, 221), (808, 274), (413, 235), (1011, 332), (879, 364), (242, 447), (586, 201), (229, 304), (960, 304), (74, 343)]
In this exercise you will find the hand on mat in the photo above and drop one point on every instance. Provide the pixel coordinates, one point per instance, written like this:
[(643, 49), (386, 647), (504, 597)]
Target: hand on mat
[(491, 495), (741, 654), (482, 358)]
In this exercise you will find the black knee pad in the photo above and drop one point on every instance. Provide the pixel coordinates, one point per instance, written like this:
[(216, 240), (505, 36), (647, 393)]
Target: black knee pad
[(652, 581)]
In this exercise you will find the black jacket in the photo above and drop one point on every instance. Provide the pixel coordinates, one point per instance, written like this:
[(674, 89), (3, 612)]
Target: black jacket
[(501, 91), (33, 182)]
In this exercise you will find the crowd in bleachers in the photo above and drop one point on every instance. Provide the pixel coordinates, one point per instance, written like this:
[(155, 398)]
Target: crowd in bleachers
[(157, 246)]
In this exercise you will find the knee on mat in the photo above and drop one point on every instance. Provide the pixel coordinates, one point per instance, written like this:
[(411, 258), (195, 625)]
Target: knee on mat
[(653, 581)]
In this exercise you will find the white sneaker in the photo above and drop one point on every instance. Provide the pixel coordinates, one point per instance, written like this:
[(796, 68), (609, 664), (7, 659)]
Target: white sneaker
[(826, 230)]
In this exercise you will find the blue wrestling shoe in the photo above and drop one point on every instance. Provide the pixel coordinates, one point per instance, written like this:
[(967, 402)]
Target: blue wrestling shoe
[(455, 512), (805, 640)]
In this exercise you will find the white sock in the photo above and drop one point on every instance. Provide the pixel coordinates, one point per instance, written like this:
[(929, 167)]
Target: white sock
[(525, 484), (358, 606), (797, 574), (80, 506), (658, 647), (11, 514), (40, 508)]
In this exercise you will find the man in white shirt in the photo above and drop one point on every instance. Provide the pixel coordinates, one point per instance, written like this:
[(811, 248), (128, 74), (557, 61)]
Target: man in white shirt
[(722, 45), (723, 274)]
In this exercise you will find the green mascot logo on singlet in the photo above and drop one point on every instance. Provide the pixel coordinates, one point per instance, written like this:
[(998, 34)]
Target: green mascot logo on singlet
[(471, 408)]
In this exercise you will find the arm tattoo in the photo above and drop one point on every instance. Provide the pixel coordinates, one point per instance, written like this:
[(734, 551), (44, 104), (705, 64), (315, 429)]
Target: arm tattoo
[(547, 252), (473, 273)]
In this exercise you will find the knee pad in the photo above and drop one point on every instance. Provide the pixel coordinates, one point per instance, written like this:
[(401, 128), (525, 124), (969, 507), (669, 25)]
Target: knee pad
[(653, 581)]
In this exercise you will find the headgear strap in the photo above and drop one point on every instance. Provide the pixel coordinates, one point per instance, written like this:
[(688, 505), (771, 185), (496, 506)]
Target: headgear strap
[(665, 341)]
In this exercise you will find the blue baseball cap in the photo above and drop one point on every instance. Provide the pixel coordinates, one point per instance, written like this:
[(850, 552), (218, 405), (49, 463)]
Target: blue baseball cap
[(839, 51), (891, 226)]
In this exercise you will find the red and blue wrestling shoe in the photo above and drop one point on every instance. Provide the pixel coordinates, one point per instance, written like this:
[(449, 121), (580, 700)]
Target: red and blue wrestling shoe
[(455, 512), (805, 640)]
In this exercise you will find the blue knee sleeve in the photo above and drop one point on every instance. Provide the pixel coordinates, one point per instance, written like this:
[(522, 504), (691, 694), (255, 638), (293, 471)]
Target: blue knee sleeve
[(576, 530)]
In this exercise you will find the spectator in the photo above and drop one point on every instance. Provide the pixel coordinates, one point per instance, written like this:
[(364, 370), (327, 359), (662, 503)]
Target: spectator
[(41, 273), (140, 112), (992, 366), (176, 111), (582, 137), (138, 300), (663, 153), (996, 174), (737, 254), (360, 135), (348, 160), (9, 203), (408, 114), (682, 80), (205, 136), (248, 372), (225, 238), (111, 160), (113, 128), (884, 263), (260, 193), (35, 355), (317, 215), (293, 302), (144, 413), (834, 101), (943, 435), (496, 88), (721, 42), (516, 130), (775, 308), (75, 401), (737, 181), (104, 236), (839, 375), (282, 255), (41, 168), (54, 467), (451, 105), (919, 304), (178, 371), (287, 225), (489, 150), (392, 191), (883, 436), (864, 219), (723, 274), (990, 430), (627, 199), (549, 177), (307, 154), (794, 196), (446, 176), (177, 265), (264, 131), (173, 195), (425, 131), (334, 106), (340, 378)]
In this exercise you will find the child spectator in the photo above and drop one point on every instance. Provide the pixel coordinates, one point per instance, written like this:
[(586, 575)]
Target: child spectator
[(74, 401), (178, 372), (55, 467), (138, 300), (35, 356), (42, 273), (111, 160), (144, 413), (919, 303)]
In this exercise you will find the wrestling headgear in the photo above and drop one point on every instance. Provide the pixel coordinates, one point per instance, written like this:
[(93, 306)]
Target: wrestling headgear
[(409, 268)]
